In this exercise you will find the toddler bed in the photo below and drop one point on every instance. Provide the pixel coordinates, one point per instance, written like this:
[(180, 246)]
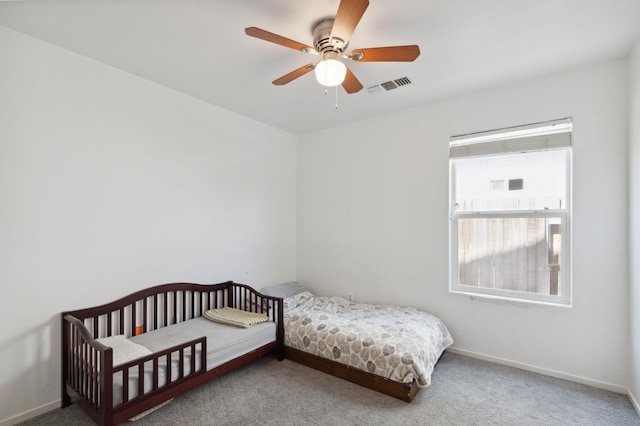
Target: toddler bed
[(389, 349), (127, 357)]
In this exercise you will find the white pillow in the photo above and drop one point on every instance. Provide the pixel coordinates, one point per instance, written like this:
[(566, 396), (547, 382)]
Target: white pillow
[(284, 290)]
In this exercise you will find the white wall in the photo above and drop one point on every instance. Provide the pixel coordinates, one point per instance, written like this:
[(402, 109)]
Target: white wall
[(372, 220), (634, 215), (109, 184)]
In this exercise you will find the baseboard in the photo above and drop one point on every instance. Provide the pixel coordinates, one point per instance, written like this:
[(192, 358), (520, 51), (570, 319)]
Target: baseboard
[(634, 402), (28, 415), (543, 371)]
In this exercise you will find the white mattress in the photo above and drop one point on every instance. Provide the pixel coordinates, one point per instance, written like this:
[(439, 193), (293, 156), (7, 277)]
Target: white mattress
[(224, 342)]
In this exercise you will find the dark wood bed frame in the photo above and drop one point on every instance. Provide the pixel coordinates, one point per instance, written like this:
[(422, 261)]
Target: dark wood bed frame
[(87, 370), (403, 391)]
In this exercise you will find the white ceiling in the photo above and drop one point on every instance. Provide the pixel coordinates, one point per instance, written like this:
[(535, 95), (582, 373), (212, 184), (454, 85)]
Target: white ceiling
[(199, 47)]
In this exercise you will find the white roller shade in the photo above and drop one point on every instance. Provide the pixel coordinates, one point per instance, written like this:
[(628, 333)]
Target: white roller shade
[(532, 137)]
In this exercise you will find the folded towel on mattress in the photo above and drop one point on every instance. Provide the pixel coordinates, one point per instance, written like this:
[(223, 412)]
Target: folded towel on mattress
[(124, 350), (235, 317)]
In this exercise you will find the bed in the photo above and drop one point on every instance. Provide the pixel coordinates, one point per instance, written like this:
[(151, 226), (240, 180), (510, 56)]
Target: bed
[(390, 349), (122, 359)]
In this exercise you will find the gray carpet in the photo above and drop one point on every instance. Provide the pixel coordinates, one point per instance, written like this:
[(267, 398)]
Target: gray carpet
[(464, 391)]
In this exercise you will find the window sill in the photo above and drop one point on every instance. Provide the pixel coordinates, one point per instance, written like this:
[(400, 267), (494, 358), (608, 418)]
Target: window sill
[(510, 301)]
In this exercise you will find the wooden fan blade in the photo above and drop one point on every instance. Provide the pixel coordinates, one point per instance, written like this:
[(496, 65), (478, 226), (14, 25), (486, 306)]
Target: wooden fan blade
[(277, 39), (347, 18), (288, 78), (386, 54), (351, 84)]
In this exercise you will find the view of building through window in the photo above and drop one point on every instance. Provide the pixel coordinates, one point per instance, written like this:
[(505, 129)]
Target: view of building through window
[(509, 224)]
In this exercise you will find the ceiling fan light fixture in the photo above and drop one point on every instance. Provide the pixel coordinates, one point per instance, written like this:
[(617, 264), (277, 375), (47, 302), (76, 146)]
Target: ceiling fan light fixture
[(330, 72), (330, 40)]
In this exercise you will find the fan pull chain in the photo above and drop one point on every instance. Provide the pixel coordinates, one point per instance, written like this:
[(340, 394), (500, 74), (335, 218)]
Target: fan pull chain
[(326, 92)]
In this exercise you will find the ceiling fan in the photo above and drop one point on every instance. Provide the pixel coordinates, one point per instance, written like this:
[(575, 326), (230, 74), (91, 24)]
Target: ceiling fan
[(330, 40)]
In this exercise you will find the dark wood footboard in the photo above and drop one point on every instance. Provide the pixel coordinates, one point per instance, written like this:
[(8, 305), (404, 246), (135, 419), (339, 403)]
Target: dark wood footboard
[(87, 365), (403, 391), (90, 375)]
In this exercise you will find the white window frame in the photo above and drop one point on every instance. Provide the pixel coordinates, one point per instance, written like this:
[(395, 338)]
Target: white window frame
[(521, 139)]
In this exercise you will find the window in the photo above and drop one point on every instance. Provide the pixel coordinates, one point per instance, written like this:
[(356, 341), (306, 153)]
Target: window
[(510, 205)]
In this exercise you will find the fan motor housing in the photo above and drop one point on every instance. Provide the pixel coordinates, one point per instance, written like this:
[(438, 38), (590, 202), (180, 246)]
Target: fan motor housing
[(322, 40)]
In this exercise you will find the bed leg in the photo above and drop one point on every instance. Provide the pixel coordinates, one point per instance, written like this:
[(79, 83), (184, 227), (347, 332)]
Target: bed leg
[(66, 330), (280, 353), (66, 399)]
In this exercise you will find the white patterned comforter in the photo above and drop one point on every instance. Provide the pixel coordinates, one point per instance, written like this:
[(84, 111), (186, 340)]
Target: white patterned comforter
[(398, 343)]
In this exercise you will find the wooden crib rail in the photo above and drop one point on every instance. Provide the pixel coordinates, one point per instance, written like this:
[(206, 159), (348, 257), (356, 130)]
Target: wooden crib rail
[(168, 304), (153, 308), (196, 366), (244, 297), (86, 367), (130, 406)]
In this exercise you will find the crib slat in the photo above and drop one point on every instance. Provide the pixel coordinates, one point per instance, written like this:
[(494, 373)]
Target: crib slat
[(193, 359), (133, 318), (125, 385), (83, 371), (181, 363), (141, 378), (90, 373), (164, 311), (92, 378), (169, 367), (243, 298), (121, 320), (174, 319), (73, 362), (78, 356), (203, 355), (155, 311), (74, 355), (155, 373), (184, 307), (95, 382)]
